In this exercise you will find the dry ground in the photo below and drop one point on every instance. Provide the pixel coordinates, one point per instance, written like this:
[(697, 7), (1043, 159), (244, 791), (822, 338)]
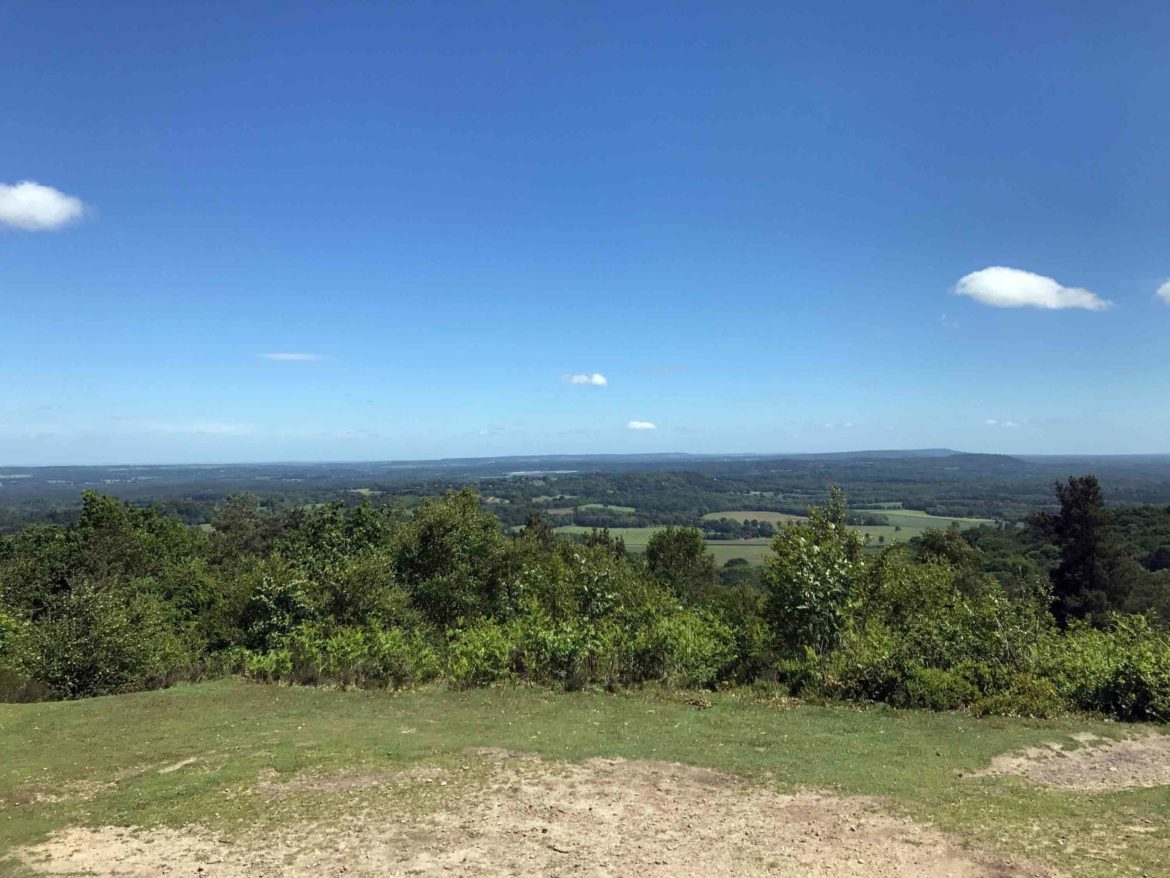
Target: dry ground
[(603, 817), (1099, 765)]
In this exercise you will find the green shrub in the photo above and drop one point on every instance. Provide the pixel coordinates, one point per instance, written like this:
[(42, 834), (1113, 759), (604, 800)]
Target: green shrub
[(1026, 696), (269, 667), (688, 648), (98, 640), (280, 602), (935, 689), (812, 577), (397, 658), (480, 655), (869, 666), (344, 654), (1123, 671)]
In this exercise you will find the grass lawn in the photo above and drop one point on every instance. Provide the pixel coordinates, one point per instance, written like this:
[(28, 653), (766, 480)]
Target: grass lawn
[(195, 755)]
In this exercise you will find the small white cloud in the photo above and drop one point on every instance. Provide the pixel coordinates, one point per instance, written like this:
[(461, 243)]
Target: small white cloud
[(948, 323), (1164, 292), (992, 422), (36, 208), (641, 425), (292, 357), (1012, 288), (595, 380), (199, 428)]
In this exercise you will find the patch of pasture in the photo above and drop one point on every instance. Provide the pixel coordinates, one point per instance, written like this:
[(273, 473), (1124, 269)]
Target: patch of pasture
[(624, 510), (742, 515)]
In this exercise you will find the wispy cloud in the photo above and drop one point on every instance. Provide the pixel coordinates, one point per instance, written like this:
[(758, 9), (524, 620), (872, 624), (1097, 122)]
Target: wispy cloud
[(199, 428), (948, 323), (992, 422), (292, 357), (595, 380), (1012, 288), (641, 425), (1164, 292), (36, 208)]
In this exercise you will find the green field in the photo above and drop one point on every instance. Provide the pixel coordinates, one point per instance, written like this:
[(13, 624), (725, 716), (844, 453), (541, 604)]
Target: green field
[(270, 771), (636, 539), (625, 510), (749, 514), (753, 551), (913, 523)]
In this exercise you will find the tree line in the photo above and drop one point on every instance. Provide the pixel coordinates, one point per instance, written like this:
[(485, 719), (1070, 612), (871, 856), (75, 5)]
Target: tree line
[(128, 597)]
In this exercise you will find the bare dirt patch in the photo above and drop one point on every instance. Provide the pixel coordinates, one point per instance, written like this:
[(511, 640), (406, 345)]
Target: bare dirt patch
[(346, 781), (1098, 765), (599, 818)]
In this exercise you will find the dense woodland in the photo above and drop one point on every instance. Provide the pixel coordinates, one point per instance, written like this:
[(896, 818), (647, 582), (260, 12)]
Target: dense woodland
[(1063, 611), (661, 489)]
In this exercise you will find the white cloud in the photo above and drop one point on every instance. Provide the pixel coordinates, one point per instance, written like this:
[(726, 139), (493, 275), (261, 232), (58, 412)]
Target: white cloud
[(1012, 288), (641, 425), (37, 208), (1164, 292), (199, 428), (992, 422), (596, 379), (292, 357)]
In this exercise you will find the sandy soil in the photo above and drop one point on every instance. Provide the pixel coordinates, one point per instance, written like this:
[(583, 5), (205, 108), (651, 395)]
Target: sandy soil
[(1098, 765), (598, 818)]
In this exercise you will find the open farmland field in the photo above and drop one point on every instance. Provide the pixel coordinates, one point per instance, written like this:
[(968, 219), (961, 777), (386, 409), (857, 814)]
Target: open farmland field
[(636, 539), (752, 551), (627, 510), (905, 524), (750, 514), (231, 779)]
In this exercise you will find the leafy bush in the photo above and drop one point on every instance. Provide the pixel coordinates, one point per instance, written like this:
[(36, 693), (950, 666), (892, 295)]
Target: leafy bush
[(398, 658), (688, 648), (269, 667), (812, 578), (1025, 696), (280, 602), (936, 689), (480, 655), (1122, 671), (95, 640)]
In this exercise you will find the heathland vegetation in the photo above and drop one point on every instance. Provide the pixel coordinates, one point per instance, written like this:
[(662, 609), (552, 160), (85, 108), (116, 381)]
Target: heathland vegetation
[(1064, 613)]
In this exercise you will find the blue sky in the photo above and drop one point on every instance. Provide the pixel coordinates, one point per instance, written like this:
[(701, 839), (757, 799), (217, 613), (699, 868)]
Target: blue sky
[(751, 220)]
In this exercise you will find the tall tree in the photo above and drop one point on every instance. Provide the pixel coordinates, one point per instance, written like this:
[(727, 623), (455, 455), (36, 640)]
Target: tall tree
[(1088, 581), (678, 558)]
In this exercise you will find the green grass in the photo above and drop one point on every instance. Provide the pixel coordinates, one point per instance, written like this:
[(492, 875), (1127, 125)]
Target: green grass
[(917, 762), (753, 551), (749, 514), (913, 523), (625, 510), (636, 539)]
